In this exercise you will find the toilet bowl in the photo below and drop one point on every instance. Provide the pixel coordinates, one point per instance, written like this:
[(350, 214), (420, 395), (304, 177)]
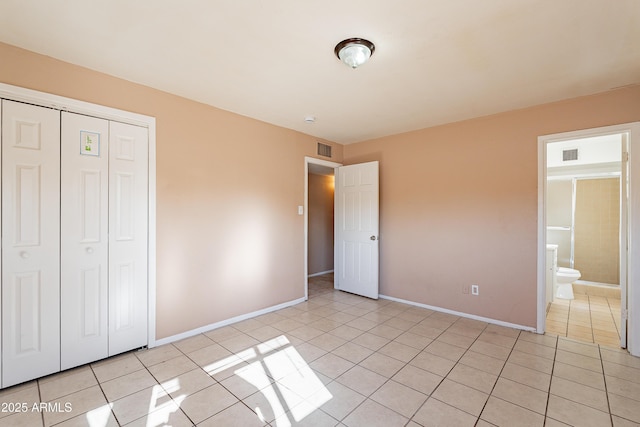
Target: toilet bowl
[(564, 278)]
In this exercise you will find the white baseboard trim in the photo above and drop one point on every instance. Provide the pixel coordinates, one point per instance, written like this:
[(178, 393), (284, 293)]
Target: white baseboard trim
[(458, 313), (320, 274), (226, 322)]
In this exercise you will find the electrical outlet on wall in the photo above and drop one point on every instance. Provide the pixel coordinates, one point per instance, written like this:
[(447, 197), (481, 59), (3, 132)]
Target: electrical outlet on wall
[(475, 290)]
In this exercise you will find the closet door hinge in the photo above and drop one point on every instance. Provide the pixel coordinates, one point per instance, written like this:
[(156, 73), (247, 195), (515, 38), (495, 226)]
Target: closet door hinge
[(624, 314), (625, 156)]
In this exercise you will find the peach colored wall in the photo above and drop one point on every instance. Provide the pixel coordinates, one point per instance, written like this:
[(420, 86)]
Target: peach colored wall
[(229, 240), (458, 204), (321, 189)]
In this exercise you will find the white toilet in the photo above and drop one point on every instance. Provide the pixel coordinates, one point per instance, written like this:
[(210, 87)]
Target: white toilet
[(564, 279)]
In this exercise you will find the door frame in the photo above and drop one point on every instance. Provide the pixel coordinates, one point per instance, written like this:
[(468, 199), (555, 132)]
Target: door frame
[(311, 160), (632, 313), (62, 103)]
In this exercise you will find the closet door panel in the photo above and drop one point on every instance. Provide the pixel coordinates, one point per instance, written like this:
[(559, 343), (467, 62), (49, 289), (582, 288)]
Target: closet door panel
[(30, 242), (128, 239), (84, 241)]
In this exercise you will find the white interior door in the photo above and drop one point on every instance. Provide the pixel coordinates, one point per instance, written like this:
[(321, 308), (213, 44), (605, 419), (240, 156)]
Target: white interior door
[(128, 232), (84, 239), (356, 223), (624, 233), (30, 242)]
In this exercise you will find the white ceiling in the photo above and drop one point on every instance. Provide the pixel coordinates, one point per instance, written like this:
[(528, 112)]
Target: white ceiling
[(436, 61)]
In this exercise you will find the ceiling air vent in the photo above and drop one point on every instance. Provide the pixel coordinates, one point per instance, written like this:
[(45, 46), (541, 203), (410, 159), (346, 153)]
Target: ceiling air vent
[(569, 155), (324, 150)]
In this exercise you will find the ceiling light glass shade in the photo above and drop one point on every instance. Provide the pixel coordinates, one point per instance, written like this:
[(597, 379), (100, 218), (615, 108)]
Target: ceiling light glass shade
[(354, 52)]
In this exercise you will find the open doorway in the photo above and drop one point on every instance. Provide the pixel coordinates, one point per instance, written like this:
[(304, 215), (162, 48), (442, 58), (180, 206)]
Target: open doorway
[(587, 188), (319, 219), (586, 226)]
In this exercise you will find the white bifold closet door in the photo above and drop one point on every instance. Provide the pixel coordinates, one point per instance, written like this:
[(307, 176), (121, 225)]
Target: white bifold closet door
[(30, 242), (74, 240), (104, 238), (128, 236), (84, 239)]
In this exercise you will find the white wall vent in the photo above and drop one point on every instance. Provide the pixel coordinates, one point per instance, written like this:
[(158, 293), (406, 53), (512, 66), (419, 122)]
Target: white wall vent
[(568, 155), (324, 150)]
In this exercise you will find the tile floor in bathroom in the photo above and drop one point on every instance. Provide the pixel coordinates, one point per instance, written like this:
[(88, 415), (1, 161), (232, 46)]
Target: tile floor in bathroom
[(587, 318), (342, 360)]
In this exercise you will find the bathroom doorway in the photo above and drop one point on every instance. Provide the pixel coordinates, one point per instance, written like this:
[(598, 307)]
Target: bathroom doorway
[(584, 227), (583, 213)]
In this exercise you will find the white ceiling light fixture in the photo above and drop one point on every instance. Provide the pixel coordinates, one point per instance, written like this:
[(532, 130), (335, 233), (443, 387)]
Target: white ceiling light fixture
[(354, 52)]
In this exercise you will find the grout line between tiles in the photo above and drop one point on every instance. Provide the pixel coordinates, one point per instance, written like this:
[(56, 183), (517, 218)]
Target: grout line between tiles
[(553, 368), (615, 324), (105, 396), (500, 374), (456, 364), (40, 399), (606, 391)]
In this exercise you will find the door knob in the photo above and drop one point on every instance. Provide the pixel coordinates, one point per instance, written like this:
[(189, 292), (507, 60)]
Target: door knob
[(89, 250), (373, 237), (24, 255)]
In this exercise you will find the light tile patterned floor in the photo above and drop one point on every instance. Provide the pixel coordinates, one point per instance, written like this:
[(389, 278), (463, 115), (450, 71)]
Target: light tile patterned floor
[(586, 318), (343, 360)]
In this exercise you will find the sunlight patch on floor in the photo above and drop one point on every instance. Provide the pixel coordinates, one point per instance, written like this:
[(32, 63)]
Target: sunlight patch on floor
[(274, 368), (295, 381), (99, 417)]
